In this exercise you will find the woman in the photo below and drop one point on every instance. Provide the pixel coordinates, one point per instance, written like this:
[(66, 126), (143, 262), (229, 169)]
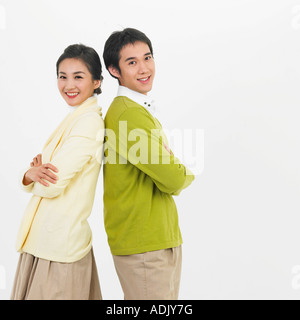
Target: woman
[(55, 240)]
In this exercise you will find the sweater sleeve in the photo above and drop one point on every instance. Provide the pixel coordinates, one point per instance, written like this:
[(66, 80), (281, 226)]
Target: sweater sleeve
[(28, 188), (145, 149), (83, 144)]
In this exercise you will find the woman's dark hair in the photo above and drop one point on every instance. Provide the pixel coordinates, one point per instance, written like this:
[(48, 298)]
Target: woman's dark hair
[(89, 57), (117, 41)]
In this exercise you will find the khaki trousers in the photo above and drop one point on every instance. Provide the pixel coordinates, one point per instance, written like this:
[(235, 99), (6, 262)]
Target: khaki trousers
[(151, 275)]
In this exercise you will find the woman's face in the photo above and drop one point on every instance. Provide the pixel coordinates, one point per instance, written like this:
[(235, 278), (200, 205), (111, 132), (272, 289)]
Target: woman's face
[(75, 82)]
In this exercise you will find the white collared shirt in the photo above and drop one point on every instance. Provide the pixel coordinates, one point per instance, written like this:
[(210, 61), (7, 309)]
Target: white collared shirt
[(143, 100)]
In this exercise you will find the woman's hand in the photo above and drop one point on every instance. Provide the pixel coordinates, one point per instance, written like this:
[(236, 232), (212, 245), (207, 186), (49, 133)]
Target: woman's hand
[(40, 173), (37, 161)]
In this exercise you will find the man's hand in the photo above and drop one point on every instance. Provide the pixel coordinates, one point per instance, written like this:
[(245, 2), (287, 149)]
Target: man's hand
[(40, 173), (168, 149)]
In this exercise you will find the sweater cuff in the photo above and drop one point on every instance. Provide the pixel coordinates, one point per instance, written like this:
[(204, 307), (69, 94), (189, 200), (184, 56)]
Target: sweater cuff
[(188, 181), (21, 177)]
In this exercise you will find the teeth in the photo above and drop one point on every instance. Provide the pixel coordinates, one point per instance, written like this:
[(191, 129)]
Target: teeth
[(145, 79), (72, 94)]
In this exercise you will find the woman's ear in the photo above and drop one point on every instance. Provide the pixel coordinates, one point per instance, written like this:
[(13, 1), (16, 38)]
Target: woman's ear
[(114, 72), (97, 84)]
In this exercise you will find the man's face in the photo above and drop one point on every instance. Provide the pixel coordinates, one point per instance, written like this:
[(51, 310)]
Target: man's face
[(137, 68)]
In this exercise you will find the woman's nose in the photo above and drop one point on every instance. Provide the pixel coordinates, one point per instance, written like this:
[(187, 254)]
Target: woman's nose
[(70, 85)]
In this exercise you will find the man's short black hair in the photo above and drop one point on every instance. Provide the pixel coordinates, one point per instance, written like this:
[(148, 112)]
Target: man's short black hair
[(117, 41)]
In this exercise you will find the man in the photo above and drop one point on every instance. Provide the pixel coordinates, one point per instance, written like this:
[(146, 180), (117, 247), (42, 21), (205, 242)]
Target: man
[(141, 175)]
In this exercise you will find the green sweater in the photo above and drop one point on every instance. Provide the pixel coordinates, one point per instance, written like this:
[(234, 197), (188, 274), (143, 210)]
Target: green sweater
[(140, 178)]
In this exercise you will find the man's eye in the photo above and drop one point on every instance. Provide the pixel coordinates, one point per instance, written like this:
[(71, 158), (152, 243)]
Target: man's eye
[(148, 58), (62, 77), (132, 63), (78, 77)]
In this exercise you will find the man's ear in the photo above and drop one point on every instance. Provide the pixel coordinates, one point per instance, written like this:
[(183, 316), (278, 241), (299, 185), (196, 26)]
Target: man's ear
[(114, 72)]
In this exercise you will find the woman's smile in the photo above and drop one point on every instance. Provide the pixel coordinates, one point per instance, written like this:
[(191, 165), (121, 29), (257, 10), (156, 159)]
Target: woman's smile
[(72, 95)]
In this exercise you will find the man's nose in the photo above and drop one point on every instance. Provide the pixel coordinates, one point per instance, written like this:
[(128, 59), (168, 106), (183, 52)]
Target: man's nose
[(143, 68)]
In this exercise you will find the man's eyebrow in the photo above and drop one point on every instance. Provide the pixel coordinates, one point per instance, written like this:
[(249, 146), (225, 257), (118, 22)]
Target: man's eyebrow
[(132, 58)]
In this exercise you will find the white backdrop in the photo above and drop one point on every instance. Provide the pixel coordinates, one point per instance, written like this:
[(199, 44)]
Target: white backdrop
[(228, 67)]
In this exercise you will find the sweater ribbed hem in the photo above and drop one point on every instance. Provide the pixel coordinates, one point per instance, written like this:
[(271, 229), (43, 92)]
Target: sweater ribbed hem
[(148, 248)]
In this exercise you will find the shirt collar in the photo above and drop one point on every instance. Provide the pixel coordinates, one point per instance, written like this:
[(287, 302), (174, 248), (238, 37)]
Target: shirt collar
[(72, 109), (143, 100)]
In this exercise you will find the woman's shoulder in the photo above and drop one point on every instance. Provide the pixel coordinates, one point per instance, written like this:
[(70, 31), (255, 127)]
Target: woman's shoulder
[(87, 124)]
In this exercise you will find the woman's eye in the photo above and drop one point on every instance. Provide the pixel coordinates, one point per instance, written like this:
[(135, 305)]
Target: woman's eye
[(62, 77), (132, 63), (78, 77)]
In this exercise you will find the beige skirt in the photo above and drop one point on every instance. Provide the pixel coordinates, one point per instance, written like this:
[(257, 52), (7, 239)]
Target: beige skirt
[(38, 279)]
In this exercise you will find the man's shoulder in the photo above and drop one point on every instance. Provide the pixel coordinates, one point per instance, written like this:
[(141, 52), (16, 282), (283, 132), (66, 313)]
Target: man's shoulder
[(120, 106)]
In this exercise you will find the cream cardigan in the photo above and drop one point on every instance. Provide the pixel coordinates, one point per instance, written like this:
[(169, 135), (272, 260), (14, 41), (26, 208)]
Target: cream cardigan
[(54, 226)]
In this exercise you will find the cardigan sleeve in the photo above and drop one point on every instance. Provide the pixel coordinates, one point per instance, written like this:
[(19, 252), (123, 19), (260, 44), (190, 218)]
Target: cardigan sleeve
[(84, 143), (21, 178), (145, 149)]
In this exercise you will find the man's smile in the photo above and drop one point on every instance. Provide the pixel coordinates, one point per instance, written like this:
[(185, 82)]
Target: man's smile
[(144, 80)]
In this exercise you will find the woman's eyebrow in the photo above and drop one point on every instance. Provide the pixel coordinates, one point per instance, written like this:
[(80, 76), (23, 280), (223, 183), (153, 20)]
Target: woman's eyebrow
[(77, 72)]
